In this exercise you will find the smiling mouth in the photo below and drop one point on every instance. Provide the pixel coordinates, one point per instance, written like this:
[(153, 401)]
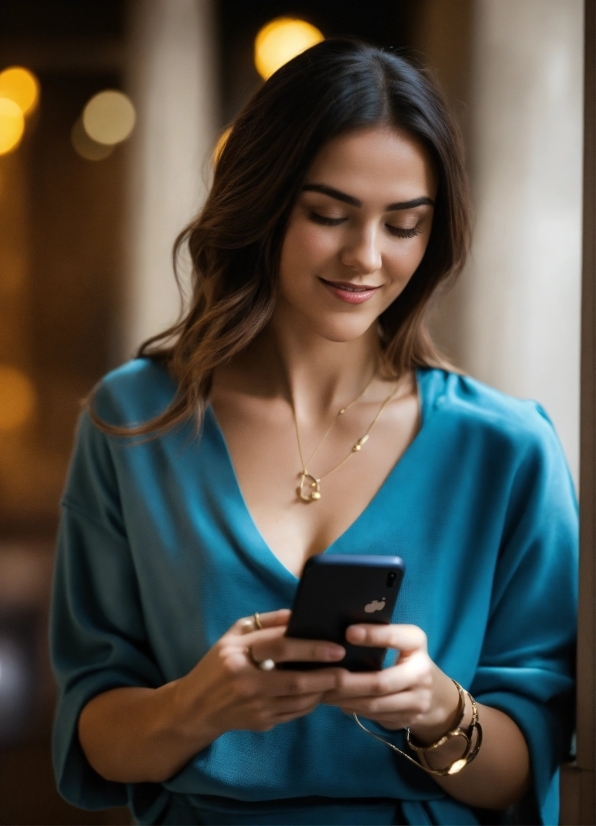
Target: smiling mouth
[(351, 288), (349, 293)]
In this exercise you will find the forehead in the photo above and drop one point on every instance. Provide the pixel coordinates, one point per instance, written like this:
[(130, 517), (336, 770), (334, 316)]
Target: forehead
[(379, 163)]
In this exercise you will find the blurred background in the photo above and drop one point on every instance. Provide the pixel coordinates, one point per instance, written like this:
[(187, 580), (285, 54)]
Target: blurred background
[(110, 114)]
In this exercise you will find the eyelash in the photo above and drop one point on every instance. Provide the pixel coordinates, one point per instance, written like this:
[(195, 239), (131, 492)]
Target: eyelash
[(334, 222), (328, 222), (403, 233)]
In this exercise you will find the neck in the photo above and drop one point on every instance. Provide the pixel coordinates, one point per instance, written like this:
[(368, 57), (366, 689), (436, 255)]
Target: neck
[(316, 375)]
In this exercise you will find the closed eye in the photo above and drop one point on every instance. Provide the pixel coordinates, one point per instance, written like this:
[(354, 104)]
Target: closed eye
[(327, 222), (403, 233), (399, 232)]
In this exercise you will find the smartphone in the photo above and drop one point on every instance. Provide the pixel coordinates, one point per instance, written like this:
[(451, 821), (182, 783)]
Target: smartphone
[(338, 590)]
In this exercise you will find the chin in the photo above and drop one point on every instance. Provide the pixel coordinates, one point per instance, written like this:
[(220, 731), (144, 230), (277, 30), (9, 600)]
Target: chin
[(343, 329)]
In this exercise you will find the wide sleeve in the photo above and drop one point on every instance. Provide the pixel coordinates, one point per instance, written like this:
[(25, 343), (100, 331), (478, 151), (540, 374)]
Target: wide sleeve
[(97, 632), (527, 664)]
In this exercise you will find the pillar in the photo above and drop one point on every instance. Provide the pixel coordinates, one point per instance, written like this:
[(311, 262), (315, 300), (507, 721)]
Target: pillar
[(171, 79)]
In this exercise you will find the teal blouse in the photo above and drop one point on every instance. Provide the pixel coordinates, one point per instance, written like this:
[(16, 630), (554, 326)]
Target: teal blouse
[(158, 555)]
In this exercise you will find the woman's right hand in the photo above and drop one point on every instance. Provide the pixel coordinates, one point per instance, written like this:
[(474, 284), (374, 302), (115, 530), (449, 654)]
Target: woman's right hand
[(226, 690), (136, 734)]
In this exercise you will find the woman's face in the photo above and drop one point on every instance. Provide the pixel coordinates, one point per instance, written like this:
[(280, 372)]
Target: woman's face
[(357, 232)]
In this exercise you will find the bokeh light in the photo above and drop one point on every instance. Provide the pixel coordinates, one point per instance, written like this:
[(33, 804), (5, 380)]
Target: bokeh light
[(12, 125), (17, 398), (21, 86), (280, 41), (221, 142), (109, 117), (86, 147)]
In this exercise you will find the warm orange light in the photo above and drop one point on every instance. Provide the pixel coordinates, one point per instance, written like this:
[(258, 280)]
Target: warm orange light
[(221, 142), (17, 398), (109, 117), (20, 85), (280, 41), (12, 125), (86, 147)]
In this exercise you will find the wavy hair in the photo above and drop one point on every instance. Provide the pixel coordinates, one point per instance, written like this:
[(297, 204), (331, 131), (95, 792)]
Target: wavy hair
[(235, 242)]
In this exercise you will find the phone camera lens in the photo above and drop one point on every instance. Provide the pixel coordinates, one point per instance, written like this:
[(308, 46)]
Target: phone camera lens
[(391, 577)]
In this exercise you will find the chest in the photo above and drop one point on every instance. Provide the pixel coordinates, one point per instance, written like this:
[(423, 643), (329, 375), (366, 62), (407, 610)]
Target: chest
[(263, 446)]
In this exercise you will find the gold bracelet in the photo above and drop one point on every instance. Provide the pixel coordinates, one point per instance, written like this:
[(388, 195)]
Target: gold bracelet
[(449, 735), (470, 751)]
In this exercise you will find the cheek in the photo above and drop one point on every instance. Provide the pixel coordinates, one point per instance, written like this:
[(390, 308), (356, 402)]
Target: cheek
[(304, 246), (404, 261)]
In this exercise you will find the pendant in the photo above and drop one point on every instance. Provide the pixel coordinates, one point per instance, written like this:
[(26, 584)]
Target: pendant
[(310, 488)]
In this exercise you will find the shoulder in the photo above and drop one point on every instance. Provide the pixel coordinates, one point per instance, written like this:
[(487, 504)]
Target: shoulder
[(136, 391), (481, 411)]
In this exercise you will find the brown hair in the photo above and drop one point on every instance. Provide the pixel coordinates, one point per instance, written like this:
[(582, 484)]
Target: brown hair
[(335, 87)]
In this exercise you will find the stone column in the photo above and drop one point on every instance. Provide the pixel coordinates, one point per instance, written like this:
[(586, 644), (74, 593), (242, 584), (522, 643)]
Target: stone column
[(514, 320), (171, 81)]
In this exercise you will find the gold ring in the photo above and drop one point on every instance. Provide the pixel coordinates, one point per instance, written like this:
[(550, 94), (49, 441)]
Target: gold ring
[(257, 621)]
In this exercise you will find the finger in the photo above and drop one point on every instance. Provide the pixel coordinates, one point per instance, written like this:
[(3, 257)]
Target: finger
[(249, 638), (292, 709), (270, 619), (373, 684), (290, 683), (282, 649), (296, 704), (410, 703), (287, 718), (405, 638), (272, 644), (410, 674)]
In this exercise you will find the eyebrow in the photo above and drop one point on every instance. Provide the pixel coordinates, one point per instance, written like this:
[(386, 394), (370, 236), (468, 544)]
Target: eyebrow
[(349, 199)]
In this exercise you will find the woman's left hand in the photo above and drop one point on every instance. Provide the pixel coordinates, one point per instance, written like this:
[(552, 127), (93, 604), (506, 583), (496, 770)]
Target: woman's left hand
[(414, 692)]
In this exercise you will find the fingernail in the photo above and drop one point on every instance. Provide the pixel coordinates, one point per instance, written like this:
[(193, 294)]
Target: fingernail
[(334, 653), (356, 634)]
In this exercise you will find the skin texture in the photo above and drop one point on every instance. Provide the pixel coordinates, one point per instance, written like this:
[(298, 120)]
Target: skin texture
[(315, 356)]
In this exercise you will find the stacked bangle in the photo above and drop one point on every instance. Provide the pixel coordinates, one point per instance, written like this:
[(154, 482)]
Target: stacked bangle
[(472, 745)]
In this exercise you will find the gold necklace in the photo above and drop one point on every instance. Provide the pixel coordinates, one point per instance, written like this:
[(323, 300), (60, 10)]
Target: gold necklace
[(309, 489)]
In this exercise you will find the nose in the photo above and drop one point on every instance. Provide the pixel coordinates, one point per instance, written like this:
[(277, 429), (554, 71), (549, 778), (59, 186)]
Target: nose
[(362, 251)]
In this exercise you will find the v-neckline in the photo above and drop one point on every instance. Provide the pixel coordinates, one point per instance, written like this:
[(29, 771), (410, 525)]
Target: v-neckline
[(425, 409)]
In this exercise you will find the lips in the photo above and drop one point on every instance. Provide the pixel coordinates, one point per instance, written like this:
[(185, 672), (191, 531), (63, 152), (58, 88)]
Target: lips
[(348, 292)]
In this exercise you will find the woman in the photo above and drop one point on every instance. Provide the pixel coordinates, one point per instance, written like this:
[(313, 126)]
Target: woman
[(208, 470)]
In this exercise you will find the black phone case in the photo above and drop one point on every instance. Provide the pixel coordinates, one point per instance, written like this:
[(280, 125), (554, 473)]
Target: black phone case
[(336, 591)]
